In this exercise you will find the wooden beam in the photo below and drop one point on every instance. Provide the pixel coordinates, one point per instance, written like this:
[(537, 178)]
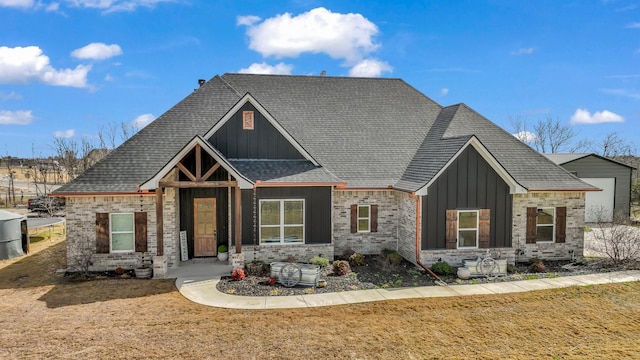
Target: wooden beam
[(238, 220), (186, 171), (159, 223), (211, 171), (199, 184), (198, 162)]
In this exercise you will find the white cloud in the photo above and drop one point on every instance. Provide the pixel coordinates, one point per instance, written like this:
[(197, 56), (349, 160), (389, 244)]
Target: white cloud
[(264, 68), (582, 116), (444, 91), (19, 117), (142, 121), (64, 133), (523, 51), (21, 65), (97, 51), (623, 92), (10, 96), (54, 6), (526, 137), (370, 68), (248, 20), (635, 25), (16, 3), (109, 6), (341, 36)]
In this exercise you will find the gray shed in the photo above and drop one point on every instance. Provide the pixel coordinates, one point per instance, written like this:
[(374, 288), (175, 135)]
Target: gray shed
[(613, 177), (14, 238)]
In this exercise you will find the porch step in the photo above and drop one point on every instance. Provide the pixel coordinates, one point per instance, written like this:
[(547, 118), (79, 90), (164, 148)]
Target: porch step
[(204, 260)]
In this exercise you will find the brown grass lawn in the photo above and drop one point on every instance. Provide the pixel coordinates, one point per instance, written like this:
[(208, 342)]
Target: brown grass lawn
[(43, 316)]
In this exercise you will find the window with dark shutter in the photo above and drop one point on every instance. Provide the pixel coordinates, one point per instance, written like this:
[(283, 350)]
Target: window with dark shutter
[(451, 229), (484, 228), (561, 224), (532, 213), (354, 219), (374, 218), (141, 231), (102, 233)]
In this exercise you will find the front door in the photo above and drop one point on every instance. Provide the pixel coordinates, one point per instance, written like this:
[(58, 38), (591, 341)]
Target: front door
[(204, 227)]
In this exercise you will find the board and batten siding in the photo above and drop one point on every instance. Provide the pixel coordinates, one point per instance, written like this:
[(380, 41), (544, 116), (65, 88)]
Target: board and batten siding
[(263, 142), (595, 167), (317, 219), (469, 183)]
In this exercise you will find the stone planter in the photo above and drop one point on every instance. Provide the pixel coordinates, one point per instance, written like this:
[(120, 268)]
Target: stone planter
[(463, 273), (143, 273), (223, 256)]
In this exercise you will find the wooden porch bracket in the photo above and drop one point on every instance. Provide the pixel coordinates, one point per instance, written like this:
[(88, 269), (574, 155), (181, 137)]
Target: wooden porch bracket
[(159, 223)]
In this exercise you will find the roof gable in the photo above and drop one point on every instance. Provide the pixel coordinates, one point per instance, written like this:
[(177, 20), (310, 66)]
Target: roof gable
[(259, 136)]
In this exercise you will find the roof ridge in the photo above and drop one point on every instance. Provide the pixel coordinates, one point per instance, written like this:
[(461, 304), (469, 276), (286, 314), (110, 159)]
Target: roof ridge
[(227, 84)]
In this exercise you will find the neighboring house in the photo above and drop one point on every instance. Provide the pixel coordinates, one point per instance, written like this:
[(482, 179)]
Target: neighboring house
[(278, 166), (613, 177)]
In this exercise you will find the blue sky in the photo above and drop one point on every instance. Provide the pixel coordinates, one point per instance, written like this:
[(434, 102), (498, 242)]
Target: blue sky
[(71, 67)]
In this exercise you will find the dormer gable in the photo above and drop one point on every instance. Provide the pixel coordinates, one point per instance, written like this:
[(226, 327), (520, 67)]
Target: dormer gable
[(248, 131)]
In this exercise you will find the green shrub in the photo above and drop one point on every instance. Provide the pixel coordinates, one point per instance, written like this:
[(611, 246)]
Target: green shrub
[(341, 267), (319, 260), (357, 259), (395, 258), (511, 268), (222, 248), (442, 268)]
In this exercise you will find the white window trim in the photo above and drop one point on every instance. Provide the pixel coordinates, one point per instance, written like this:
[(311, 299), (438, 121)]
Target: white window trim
[(477, 229), (368, 218), (552, 225), (132, 232), (282, 224)]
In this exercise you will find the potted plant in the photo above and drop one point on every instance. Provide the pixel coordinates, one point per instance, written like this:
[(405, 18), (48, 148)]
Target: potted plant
[(145, 270), (223, 255)]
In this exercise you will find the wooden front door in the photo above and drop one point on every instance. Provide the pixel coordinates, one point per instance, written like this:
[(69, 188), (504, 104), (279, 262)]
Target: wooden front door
[(205, 233)]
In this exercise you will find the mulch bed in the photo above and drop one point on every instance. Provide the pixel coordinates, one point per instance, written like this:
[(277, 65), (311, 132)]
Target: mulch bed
[(377, 274)]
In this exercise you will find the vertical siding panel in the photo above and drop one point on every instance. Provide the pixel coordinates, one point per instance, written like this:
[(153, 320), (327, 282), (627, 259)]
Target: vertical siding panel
[(472, 180)]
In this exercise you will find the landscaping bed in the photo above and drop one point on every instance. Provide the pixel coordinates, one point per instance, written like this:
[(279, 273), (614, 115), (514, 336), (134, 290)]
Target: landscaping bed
[(376, 273)]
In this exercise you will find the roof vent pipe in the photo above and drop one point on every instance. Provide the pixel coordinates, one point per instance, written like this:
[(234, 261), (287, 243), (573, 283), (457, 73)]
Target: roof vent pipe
[(323, 73), (201, 82)]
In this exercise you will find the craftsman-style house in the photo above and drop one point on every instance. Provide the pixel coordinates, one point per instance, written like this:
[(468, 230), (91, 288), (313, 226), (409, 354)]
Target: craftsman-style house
[(274, 166)]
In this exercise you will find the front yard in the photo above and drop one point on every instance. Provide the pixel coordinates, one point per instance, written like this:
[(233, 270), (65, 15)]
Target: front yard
[(44, 316)]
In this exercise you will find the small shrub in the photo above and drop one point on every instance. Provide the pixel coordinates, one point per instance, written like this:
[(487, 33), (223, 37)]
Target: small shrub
[(319, 260), (442, 268), (341, 267), (255, 267), (272, 281), (537, 267), (534, 260), (395, 258), (237, 275), (347, 251), (511, 268), (222, 248), (357, 259)]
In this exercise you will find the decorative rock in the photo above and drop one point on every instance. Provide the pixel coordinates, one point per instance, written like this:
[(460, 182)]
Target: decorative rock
[(464, 273)]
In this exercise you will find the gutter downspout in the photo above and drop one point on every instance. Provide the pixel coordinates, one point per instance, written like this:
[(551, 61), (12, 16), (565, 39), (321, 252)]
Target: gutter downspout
[(431, 273)]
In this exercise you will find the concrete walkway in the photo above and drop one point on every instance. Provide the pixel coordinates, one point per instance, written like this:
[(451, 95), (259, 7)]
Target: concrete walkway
[(194, 285)]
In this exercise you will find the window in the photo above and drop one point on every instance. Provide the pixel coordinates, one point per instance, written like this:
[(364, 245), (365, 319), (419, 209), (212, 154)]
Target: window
[(281, 221), (364, 218), (545, 220), (467, 228), (121, 232)]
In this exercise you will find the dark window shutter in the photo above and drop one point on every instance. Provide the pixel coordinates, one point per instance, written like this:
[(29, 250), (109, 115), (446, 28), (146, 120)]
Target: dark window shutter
[(140, 222), (561, 224), (374, 218), (532, 223), (102, 233), (452, 229), (484, 228), (354, 219)]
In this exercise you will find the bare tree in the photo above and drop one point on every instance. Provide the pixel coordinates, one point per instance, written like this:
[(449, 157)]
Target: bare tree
[(74, 155), (613, 145), (618, 240), (552, 135), (127, 130), (107, 136), (520, 129)]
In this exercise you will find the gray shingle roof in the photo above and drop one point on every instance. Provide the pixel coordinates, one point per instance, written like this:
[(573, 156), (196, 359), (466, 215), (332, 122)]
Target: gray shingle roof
[(564, 158), (368, 132)]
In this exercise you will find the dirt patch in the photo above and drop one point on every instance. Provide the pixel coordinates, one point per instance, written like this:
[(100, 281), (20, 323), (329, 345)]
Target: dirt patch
[(43, 316)]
